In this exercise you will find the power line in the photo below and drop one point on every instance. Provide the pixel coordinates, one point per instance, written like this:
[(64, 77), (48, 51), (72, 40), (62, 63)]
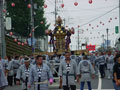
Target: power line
[(99, 17)]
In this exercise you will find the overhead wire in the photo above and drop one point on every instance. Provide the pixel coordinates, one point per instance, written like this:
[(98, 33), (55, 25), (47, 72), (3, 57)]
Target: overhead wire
[(99, 16)]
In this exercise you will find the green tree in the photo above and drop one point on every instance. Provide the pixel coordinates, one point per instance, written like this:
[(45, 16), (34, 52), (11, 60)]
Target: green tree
[(20, 15)]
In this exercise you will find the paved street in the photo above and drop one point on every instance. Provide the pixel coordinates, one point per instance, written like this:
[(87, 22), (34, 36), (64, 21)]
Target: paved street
[(97, 84)]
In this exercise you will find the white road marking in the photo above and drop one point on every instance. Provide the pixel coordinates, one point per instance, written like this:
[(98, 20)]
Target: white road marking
[(99, 83)]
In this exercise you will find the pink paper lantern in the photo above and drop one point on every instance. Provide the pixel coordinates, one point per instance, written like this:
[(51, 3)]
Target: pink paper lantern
[(4, 10), (11, 33), (22, 44), (25, 43), (90, 1), (62, 5), (41, 22), (19, 43), (13, 4), (115, 17), (30, 35), (76, 3), (72, 30), (33, 30), (109, 21), (45, 6), (15, 40), (46, 31), (110, 18), (29, 5)]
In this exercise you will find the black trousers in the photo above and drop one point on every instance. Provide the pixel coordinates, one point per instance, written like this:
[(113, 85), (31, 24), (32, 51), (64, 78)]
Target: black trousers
[(15, 79), (72, 87), (10, 80), (102, 70)]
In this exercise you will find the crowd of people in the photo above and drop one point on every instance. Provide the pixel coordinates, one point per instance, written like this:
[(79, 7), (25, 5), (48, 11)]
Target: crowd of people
[(37, 72)]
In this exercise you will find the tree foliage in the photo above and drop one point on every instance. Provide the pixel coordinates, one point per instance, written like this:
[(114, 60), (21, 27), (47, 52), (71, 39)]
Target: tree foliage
[(20, 15)]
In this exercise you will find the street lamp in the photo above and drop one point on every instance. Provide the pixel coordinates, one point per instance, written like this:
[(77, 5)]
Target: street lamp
[(107, 37)]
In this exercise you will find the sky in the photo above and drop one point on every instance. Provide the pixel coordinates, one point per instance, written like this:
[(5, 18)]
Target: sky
[(83, 15)]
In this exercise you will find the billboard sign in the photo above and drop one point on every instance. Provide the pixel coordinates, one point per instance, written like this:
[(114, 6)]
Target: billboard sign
[(91, 47)]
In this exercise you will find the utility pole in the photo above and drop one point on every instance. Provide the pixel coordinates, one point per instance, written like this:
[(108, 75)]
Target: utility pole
[(55, 10), (32, 26), (64, 21), (107, 37), (103, 40), (119, 17), (2, 32), (78, 38)]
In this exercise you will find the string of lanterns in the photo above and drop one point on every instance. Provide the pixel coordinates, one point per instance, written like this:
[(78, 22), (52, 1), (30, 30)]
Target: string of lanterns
[(16, 40), (101, 23), (62, 5), (94, 37)]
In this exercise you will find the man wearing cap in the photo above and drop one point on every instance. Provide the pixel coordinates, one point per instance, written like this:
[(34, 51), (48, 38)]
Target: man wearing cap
[(40, 74), (67, 73), (23, 73)]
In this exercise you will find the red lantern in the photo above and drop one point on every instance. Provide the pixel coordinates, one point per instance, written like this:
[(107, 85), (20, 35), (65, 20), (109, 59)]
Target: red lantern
[(15, 40), (110, 18), (90, 1), (103, 24), (11, 33), (29, 5), (13, 4), (25, 43), (19, 43), (33, 30), (89, 24), (72, 30), (75, 3), (109, 21), (4, 10), (78, 26), (47, 31), (45, 6), (100, 22), (41, 22), (22, 44), (62, 5), (54, 24), (30, 35), (115, 17), (97, 26)]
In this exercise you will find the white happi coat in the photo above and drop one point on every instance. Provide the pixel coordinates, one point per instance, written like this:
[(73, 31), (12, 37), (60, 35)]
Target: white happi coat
[(43, 72), (85, 69), (3, 80)]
